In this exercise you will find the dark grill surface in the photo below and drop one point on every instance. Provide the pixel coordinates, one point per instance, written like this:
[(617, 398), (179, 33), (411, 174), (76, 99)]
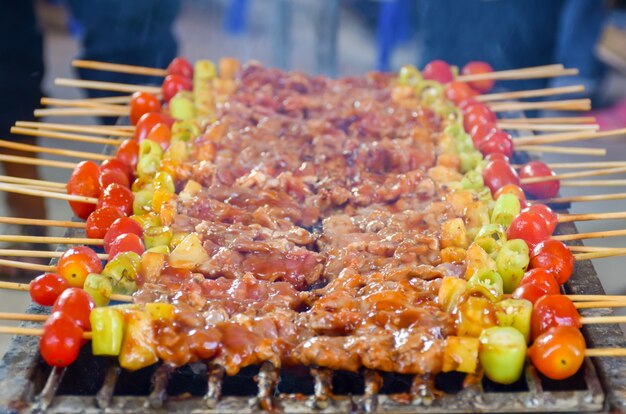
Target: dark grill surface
[(96, 384)]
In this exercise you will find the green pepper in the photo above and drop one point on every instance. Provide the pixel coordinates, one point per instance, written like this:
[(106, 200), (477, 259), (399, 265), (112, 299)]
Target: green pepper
[(511, 262), (99, 288), (159, 249), (142, 183), (157, 236), (494, 231), (409, 75), (470, 159), (185, 130), (107, 331), (502, 354), (147, 220), (515, 313), (142, 203), (487, 283), (505, 209), (182, 106), (164, 181), (122, 271), (177, 152), (429, 92), (472, 180), (150, 154)]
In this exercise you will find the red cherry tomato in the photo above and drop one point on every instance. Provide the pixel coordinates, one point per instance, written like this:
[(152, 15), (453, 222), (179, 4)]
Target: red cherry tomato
[(121, 226), (100, 220), (172, 84), (551, 219), (61, 340), (558, 353), (161, 134), (128, 242), (542, 278), (77, 304), (512, 189), (180, 66), (108, 177), (119, 197), (530, 292), (459, 91), (439, 71), (498, 142), (128, 153), (142, 103), (497, 156), (117, 164), (148, 121), (84, 181), (544, 189), (529, 227), (477, 114), (76, 263), (553, 310), (553, 255), (467, 104), (477, 67), (499, 173), (480, 133), (46, 288)]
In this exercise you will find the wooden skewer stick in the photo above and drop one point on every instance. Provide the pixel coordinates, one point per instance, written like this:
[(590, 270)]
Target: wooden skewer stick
[(605, 352), (117, 67), (78, 112), (592, 298), (86, 129), (25, 287), (531, 93), (588, 249), (54, 151), (124, 99), (565, 105), (64, 135), (577, 165), (107, 86), (590, 235), (29, 181), (575, 199), (27, 266), (31, 317), (566, 218), (555, 120), (16, 330), (593, 183), (83, 103), (547, 71), (37, 161), (43, 222), (586, 320), (547, 149), (567, 137), (600, 255), (547, 127), (44, 188), (38, 253), (578, 174), (11, 188), (51, 240), (600, 304)]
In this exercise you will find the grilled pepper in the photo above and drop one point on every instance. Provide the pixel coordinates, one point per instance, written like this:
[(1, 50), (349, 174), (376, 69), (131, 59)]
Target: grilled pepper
[(502, 354), (150, 154), (107, 331), (99, 288), (157, 236), (487, 283), (515, 313), (505, 209), (511, 262), (122, 271), (477, 258)]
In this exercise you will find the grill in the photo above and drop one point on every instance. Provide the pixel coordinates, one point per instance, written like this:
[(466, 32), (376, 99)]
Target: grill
[(97, 384)]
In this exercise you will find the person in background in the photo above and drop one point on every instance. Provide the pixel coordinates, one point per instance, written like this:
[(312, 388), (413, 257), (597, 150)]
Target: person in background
[(138, 32)]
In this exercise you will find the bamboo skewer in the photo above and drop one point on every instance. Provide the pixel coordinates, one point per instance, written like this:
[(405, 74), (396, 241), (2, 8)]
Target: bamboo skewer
[(64, 135), (11, 188), (547, 127), (531, 93), (87, 129), (590, 298), (38, 253), (547, 149), (106, 86), (78, 112), (578, 174), (83, 103), (593, 183), (117, 67), (123, 99), (27, 181), (566, 137), (42, 222), (566, 218), (600, 254), (53, 151), (590, 235), (577, 165), (589, 249), (565, 105), (37, 161), (27, 266), (25, 287), (547, 71), (600, 304), (51, 240), (584, 198), (555, 120), (16, 330)]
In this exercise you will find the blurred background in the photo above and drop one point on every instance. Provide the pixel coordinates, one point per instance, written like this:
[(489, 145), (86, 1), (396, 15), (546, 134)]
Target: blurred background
[(39, 39)]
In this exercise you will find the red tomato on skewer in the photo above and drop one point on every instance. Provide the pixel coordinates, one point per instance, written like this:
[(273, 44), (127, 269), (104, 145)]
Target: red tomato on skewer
[(555, 256), (128, 153), (148, 121), (438, 70), (180, 66), (61, 340), (542, 278), (161, 134), (558, 353), (100, 220), (459, 91), (77, 304), (529, 227), (530, 292), (119, 197), (84, 181), (551, 311), (480, 133), (477, 67), (128, 242), (172, 84), (121, 226), (46, 288), (76, 263), (499, 173), (551, 219), (477, 114), (117, 164), (498, 142), (544, 189), (142, 103)]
